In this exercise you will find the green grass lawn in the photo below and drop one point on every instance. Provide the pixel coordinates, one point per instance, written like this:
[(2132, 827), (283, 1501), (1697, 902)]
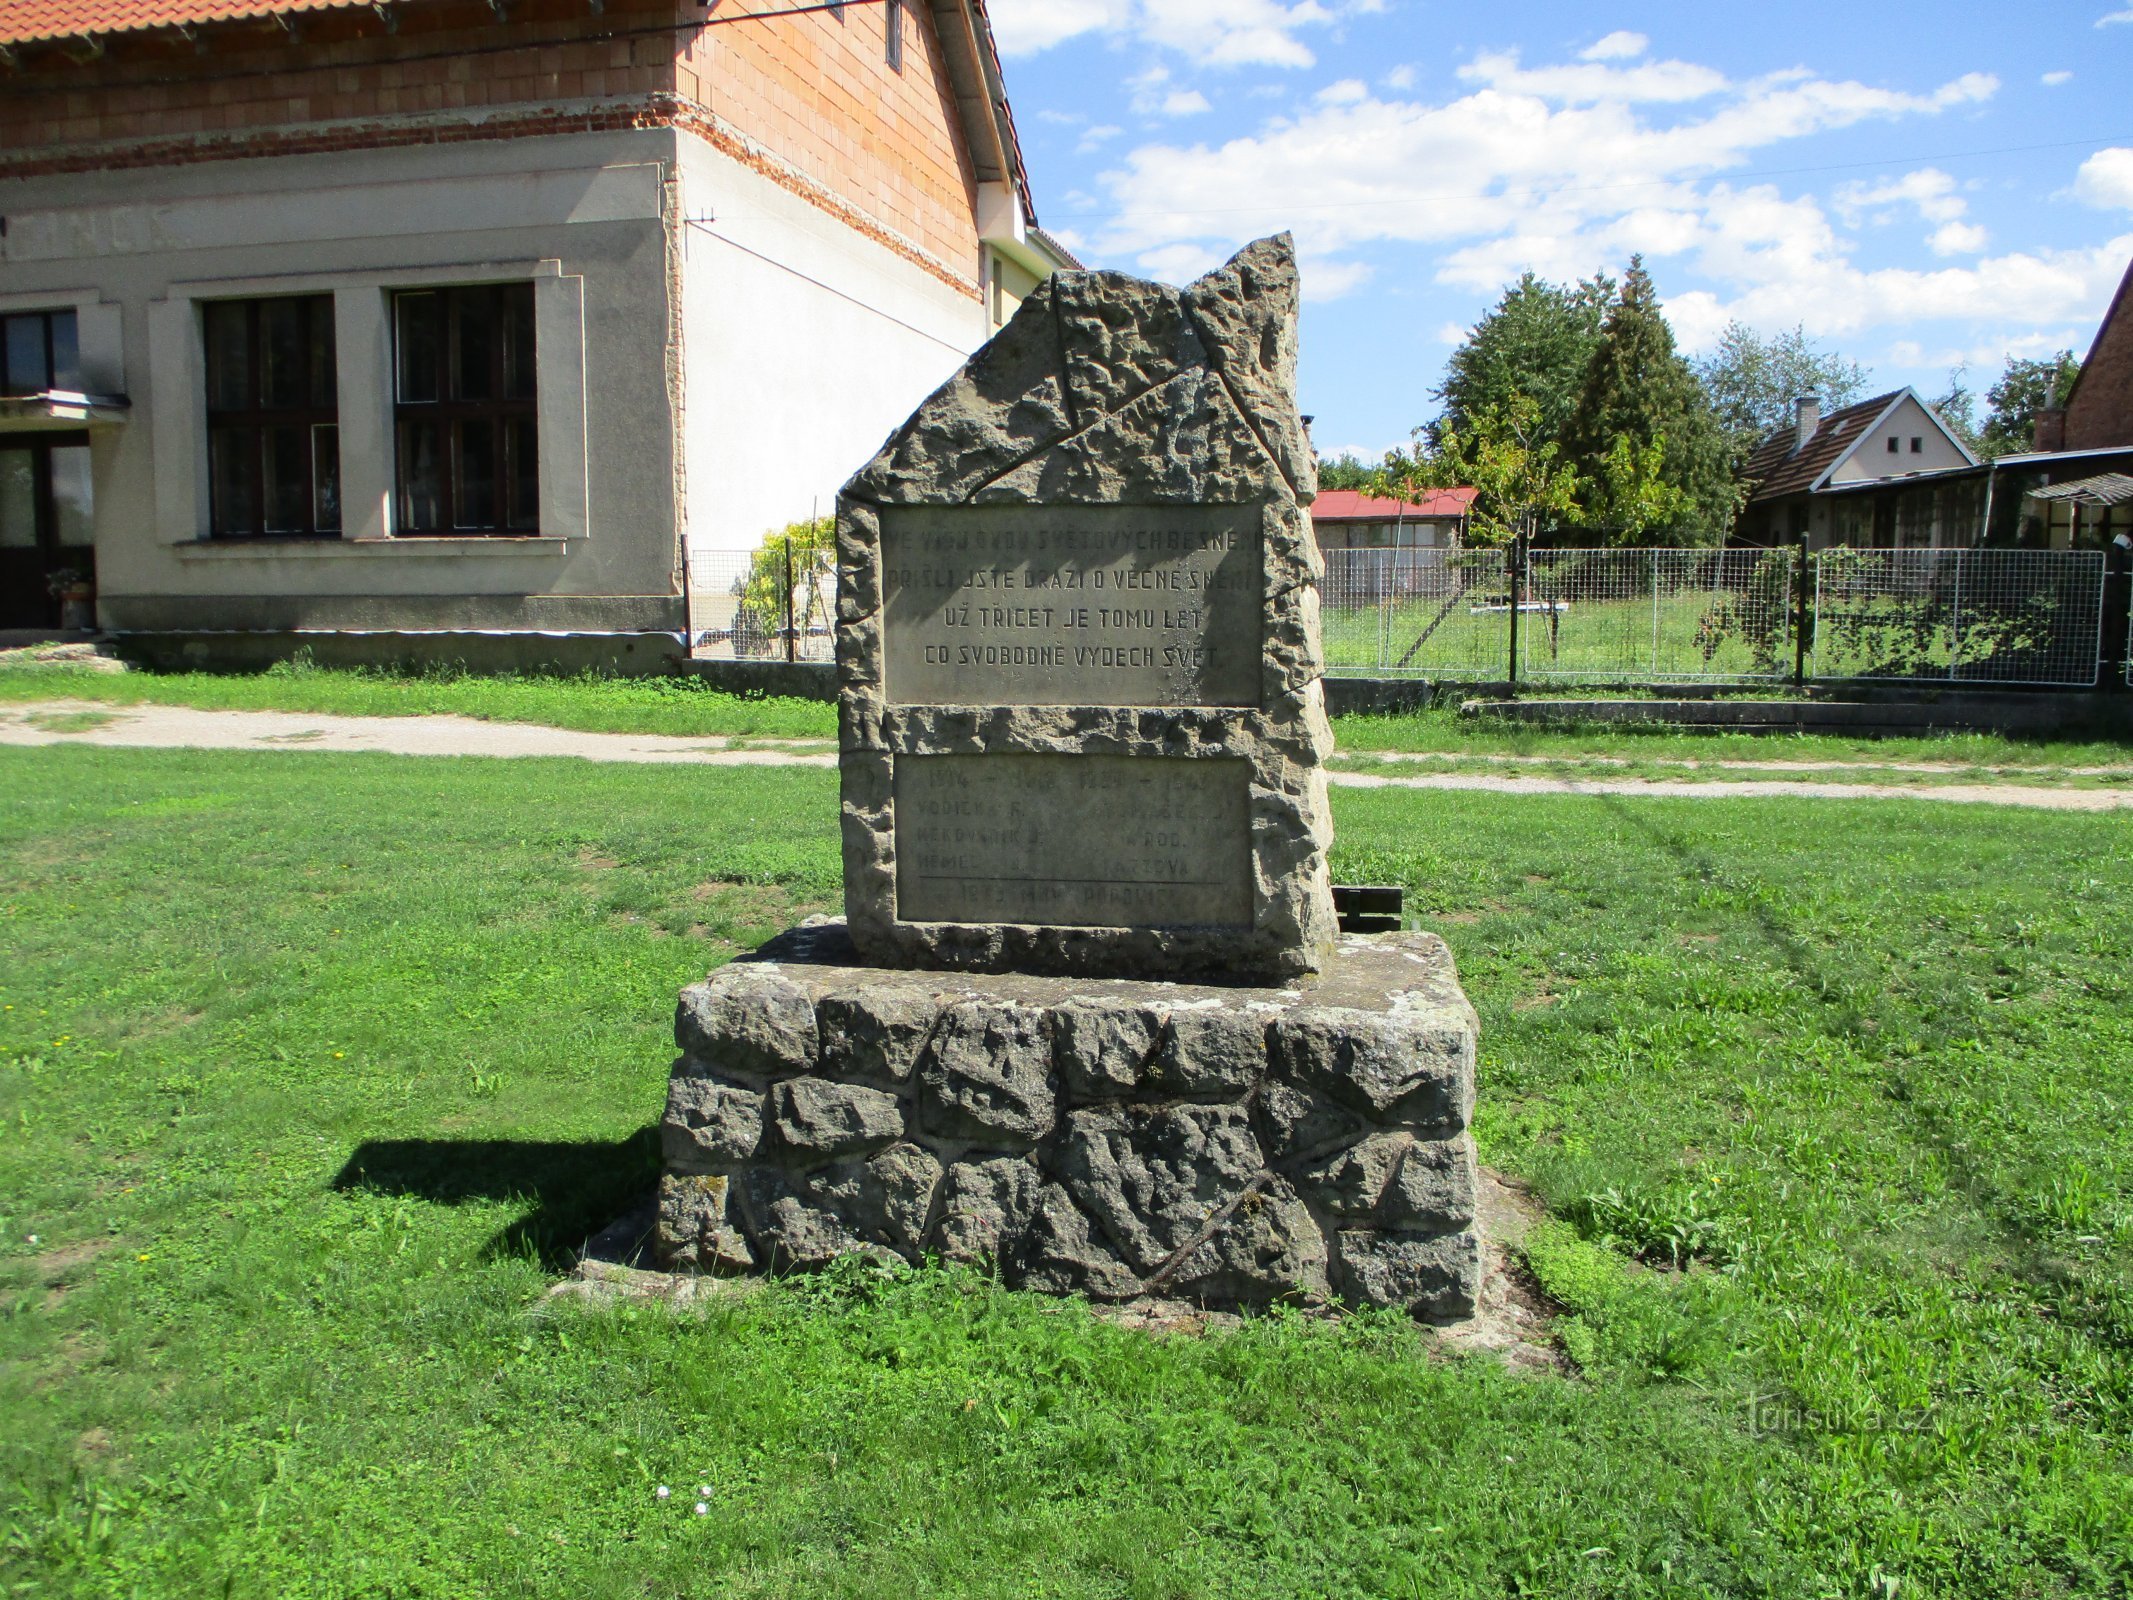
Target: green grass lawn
[(690, 708), (314, 1067), (1470, 636), (590, 703)]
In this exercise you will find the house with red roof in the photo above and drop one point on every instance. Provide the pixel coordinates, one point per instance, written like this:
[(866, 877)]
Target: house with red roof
[(473, 316), (1377, 546)]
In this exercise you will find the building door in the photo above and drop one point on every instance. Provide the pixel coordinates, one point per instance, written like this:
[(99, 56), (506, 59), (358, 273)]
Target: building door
[(44, 523)]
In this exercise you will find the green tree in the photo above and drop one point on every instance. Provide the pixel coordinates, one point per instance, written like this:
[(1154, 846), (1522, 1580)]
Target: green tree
[(2024, 389), (1751, 382), (1345, 471), (1631, 495), (1521, 484), (1637, 387), (1535, 343), (803, 554)]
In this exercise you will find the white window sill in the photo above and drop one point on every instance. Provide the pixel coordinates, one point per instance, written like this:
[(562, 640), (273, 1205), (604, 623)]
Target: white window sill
[(368, 549)]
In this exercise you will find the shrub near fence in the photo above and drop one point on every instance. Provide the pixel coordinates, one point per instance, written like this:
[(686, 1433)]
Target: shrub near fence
[(1739, 616)]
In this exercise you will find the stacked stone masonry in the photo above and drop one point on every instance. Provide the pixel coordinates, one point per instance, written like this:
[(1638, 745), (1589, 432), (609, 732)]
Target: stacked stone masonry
[(1109, 1138)]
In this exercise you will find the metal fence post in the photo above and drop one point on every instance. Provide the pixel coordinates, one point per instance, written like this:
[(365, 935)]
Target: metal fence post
[(1955, 623), (792, 640), (1518, 584), (1799, 612)]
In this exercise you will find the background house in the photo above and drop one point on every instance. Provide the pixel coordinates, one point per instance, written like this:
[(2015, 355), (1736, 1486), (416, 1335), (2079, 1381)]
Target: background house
[(438, 315), (1827, 478)]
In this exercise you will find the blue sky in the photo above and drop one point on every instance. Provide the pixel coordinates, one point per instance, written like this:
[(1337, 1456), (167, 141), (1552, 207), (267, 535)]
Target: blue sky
[(1920, 186)]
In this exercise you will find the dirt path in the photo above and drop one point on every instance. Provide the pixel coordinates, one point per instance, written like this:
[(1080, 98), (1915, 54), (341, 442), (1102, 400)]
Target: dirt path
[(183, 727)]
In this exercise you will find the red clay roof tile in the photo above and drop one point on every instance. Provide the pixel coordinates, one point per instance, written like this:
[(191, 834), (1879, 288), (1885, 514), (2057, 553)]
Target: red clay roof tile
[(1352, 505), (27, 21)]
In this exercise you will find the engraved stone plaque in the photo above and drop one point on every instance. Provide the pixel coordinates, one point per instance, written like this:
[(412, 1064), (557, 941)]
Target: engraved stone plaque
[(1071, 605), (1080, 721), (1073, 840)]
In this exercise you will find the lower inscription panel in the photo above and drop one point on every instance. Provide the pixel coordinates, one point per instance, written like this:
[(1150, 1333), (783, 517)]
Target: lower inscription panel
[(1073, 841)]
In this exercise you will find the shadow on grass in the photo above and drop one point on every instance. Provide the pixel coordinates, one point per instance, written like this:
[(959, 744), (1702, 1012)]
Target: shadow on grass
[(575, 1187)]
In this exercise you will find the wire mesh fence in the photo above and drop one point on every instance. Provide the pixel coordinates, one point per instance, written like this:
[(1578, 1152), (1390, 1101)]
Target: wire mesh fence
[(1426, 612), (752, 605), (1662, 616), (1968, 616), (1718, 616)]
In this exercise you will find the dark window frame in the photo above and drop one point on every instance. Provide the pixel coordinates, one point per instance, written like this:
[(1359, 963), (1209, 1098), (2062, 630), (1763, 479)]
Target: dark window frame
[(504, 416), (256, 421), (892, 38), (8, 383)]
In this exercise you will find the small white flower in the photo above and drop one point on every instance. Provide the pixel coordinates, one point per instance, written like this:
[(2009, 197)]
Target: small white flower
[(702, 1510), (33, 1238), (663, 1491), (703, 1491)]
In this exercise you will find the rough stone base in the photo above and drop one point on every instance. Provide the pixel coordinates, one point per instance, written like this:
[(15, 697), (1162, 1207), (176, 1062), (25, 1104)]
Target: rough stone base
[(1106, 1137)]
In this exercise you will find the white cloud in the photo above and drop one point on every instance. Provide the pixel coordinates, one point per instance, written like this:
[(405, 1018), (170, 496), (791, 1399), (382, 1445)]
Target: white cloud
[(2106, 179), (1344, 93), (1587, 85), (1370, 455), (1064, 119), (2052, 80), (1401, 77), (1929, 190), (1155, 96), (1024, 27), (1452, 333), (1328, 278), (1621, 45), (1224, 33), (1957, 239), (1565, 169), (2115, 16), (1097, 136)]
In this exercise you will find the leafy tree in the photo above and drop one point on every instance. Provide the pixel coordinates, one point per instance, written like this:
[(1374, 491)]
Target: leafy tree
[(1637, 387), (811, 544), (1751, 382), (1631, 494), (1345, 472), (1535, 343), (2024, 389), (1521, 484)]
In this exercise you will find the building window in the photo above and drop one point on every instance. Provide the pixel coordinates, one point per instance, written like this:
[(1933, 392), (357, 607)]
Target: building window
[(1893, 444), (273, 441), (466, 445), (39, 351), (1917, 445), (892, 16)]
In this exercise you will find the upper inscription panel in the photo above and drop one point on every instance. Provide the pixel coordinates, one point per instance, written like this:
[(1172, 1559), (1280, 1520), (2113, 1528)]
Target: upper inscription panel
[(1071, 605)]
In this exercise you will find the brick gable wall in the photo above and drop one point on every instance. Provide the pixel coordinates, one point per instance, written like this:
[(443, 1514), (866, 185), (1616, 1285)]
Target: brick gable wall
[(808, 100), (2100, 412)]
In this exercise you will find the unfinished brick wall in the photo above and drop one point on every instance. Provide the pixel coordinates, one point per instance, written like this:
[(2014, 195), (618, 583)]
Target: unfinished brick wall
[(808, 100), (2100, 412), (818, 92)]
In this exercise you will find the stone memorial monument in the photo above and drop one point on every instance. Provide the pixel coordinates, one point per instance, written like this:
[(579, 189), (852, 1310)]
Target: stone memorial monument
[(1088, 1018)]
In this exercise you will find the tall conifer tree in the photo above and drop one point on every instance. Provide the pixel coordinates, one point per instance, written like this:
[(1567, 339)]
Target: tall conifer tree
[(1637, 387)]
